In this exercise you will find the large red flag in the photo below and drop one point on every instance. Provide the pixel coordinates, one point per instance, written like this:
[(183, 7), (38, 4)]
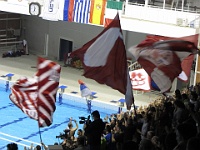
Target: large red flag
[(186, 63), (162, 59), (36, 96), (104, 60)]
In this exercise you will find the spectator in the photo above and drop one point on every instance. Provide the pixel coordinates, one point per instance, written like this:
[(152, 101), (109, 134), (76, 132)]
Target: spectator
[(170, 141), (80, 133), (146, 125), (180, 113), (145, 144), (81, 143), (118, 136), (193, 143), (12, 146), (178, 95), (194, 100), (184, 132), (71, 129), (94, 130), (156, 143)]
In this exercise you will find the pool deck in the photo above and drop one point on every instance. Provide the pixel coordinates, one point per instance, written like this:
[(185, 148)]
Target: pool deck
[(25, 65)]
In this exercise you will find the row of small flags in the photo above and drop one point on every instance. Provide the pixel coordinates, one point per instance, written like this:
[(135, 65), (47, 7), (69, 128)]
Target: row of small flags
[(80, 11), (83, 11)]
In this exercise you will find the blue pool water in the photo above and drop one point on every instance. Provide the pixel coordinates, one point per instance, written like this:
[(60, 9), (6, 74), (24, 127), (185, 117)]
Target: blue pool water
[(15, 126)]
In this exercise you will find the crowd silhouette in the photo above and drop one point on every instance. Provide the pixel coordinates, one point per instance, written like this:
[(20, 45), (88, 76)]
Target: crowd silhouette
[(167, 123)]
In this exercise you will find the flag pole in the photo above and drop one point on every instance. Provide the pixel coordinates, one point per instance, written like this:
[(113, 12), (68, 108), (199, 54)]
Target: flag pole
[(39, 129), (37, 108), (40, 137), (197, 63)]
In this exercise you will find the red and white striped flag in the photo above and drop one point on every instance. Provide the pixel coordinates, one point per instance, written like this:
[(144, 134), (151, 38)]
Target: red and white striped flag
[(36, 96), (24, 96)]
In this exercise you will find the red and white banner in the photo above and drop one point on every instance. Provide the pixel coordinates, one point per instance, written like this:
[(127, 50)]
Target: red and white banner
[(106, 62), (140, 80), (36, 96), (162, 60)]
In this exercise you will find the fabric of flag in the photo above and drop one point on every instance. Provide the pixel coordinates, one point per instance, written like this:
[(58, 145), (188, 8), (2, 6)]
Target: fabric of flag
[(85, 91), (81, 11), (162, 59), (140, 80), (114, 5), (51, 10), (36, 96), (97, 11), (186, 63), (48, 82), (24, 95), (104, 60), (112, 8), (68, 10)]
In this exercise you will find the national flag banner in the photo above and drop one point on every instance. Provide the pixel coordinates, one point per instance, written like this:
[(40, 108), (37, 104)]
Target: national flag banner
[(51, 10), (140, 80), (104, 60), (114, 5), (36, 96), (97, 11), (81, 11), (112, 8), (162, 59), (66, 10), (85, 91), (48, 82)]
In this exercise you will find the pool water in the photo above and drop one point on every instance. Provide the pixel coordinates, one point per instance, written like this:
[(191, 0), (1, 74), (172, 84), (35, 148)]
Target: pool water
[(15, 126)]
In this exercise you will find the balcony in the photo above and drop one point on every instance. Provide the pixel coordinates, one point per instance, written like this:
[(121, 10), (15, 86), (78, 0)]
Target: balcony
[(154, 17)]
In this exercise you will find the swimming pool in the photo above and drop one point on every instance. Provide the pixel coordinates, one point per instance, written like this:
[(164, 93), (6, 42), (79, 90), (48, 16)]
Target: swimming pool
[(15, 126)]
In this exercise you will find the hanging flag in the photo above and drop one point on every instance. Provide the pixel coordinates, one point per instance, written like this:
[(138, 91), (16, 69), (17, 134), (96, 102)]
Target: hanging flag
[(85, 91), (66, 10), (36, 96), (104, 60), (97, 11), (162, 59), (112, 8), (81, 11), (51, 10), (140, 80)]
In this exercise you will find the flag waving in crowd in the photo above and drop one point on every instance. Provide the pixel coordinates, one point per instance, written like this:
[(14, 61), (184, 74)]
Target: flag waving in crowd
[(104, 60), (36, 96), (85, 91), (162, 58)]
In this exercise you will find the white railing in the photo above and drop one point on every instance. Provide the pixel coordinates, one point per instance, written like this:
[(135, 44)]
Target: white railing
[(160, 15)]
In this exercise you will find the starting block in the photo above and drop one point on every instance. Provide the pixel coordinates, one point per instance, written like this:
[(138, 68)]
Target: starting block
[(62, 87), (9, 76)]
